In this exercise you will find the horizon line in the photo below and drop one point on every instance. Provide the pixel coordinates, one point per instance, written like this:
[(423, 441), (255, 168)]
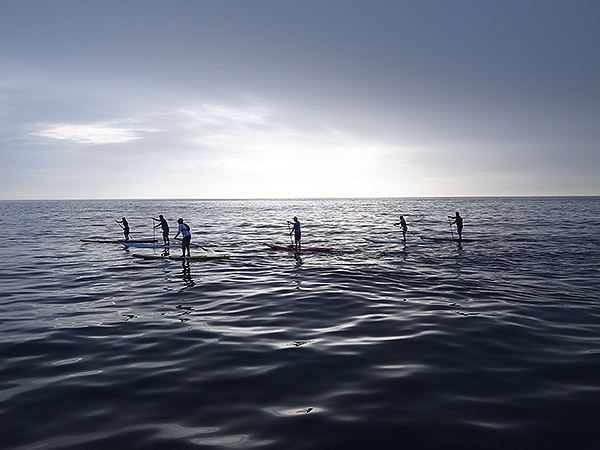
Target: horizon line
[(301, 198)]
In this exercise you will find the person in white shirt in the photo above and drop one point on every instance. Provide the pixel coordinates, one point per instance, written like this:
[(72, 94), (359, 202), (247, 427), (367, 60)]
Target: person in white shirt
[(186, 236)]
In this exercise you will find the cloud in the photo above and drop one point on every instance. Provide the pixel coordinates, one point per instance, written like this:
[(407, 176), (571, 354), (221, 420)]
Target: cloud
[(88, 134), (220, 114)]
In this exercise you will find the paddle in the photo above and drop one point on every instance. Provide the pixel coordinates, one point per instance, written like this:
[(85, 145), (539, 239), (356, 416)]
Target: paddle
[(451, 231), (290, 233), (197, 245), (410, 231), (122, 227)]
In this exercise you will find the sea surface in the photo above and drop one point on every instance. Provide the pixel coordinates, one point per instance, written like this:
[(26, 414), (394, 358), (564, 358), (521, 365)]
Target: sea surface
[(490, 344)]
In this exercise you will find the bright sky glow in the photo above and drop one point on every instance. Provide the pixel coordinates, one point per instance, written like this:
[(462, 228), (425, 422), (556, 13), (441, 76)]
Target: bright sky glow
[(245, 99)]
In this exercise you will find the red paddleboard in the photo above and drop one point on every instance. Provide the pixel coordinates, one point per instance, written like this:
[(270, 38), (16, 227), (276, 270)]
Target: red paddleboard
[(135, 241), (303, 249)]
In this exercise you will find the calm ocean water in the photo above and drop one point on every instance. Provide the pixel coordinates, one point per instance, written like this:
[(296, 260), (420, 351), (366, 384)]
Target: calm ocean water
[(493, 344)]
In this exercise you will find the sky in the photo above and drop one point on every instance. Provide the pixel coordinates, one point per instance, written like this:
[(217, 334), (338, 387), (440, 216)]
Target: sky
[(298, 98)]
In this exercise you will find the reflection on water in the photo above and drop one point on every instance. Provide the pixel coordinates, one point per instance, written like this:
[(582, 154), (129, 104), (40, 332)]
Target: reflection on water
[(298, 258), (187, 274)]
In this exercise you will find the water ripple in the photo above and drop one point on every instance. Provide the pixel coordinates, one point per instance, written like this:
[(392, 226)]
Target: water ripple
[(491, 344)]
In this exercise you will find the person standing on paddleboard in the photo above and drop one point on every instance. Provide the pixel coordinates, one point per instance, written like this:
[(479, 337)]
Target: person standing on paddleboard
[(459, 223), (402, 224), (165, 228), (125, 227), (296, 231), (186, 237)]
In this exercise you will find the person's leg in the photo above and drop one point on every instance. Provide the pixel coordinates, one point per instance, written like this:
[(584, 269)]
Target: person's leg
[(186, 242)]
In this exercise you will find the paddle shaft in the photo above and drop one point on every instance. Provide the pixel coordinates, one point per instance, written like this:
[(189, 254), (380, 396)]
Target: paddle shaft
[(290, 233), (396, 225), (205, 249), (122, 227)]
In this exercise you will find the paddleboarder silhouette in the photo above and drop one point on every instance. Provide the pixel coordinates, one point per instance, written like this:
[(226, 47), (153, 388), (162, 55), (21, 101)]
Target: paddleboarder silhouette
[(296, 231), (125, 227), (458, 220), (402, 224), (186, 237), (165, 228)]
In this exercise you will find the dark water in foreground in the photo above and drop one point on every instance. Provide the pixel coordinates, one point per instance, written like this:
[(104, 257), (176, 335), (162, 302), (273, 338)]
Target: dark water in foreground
[(494, 344)]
